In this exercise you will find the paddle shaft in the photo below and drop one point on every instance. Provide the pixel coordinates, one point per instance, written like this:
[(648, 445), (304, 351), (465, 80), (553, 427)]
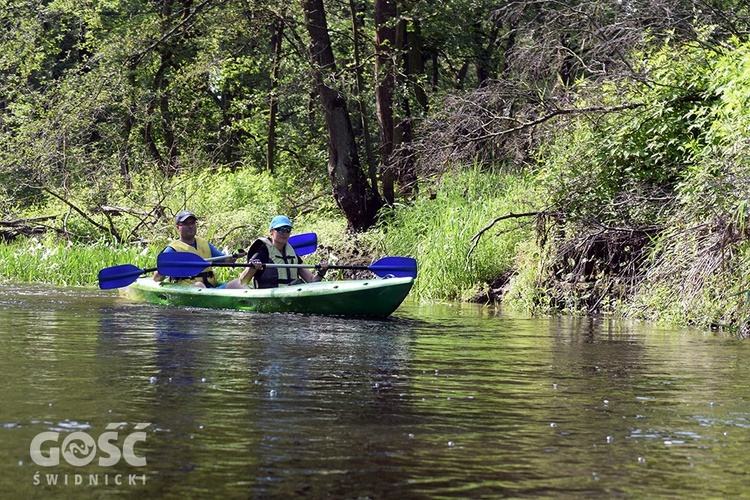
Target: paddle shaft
[(301, 266), (188, 264), (211, 260)]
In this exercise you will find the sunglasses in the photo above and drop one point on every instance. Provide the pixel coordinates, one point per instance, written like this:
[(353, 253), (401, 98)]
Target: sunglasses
[(284, 229)]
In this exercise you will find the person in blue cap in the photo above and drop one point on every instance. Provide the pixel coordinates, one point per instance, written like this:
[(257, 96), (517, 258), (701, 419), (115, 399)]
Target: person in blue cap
[(275, 250), (187, 225)]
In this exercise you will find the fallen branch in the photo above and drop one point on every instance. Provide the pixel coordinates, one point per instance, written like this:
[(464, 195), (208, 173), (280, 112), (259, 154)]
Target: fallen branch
[(478, 236), (25, 222), (112, 231), (304, 202), (8, 235)]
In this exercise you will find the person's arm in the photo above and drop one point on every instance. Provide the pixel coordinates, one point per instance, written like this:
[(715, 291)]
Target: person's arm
[(257, 260), (311, 277), (161, 277)]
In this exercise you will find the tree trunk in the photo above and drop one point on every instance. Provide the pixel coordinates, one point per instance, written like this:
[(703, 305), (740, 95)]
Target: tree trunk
[(371, 167), (276, 37), (415, 62), (162, 79), (356, 198), (409, 44), (385, 42), (486, 49)]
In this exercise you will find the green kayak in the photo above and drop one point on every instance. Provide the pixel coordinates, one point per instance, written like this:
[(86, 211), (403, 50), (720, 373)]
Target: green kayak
[(372, 298)]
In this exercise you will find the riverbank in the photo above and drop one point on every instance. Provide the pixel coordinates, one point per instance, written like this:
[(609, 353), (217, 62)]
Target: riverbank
[(476, 237), (59, 263)]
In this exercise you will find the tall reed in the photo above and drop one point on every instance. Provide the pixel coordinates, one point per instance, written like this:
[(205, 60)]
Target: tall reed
[(56, 262), (438, 227)]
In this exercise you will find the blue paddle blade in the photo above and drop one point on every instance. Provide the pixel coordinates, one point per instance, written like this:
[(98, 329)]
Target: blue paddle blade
[(304, 244), (398, 267), (180, 264), (119, 276), (183, 264)]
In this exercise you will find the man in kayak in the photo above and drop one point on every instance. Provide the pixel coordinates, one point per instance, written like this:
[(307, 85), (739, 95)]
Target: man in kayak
[(187, 225), (275, 250)]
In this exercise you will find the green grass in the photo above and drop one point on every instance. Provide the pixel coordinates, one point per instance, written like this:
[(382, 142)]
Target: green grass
[(438, 227), (60, 263)]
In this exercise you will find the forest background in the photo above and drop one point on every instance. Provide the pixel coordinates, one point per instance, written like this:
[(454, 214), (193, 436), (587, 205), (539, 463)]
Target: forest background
[(578, 156)]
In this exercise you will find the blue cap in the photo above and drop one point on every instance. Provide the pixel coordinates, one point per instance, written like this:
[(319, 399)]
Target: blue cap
[(183, 216), (280, 221)]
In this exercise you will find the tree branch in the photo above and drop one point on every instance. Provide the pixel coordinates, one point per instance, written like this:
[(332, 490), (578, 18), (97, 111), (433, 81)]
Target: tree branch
[(553, 114), (111, 230), (478, 236), (137, 58)]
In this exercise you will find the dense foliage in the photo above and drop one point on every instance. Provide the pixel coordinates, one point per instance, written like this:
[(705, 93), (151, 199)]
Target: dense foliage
[(580, 156), (651, 201)]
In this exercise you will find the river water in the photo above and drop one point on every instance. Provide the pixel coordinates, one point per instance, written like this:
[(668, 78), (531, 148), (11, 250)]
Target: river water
[(439, 401)]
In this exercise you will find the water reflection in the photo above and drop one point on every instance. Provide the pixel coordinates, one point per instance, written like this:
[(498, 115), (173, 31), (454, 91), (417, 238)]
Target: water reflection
[(260, 395), (440, 401)]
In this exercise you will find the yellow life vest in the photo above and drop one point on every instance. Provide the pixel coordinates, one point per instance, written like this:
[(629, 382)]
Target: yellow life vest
[(280, 276), (207, 275)]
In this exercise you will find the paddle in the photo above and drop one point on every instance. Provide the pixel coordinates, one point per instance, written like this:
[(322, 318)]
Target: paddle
[(189, 264), (125, 274), (304, 244)]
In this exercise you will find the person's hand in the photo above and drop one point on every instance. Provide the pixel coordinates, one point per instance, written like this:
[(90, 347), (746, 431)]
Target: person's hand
[(254, 264), (322, 269)]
